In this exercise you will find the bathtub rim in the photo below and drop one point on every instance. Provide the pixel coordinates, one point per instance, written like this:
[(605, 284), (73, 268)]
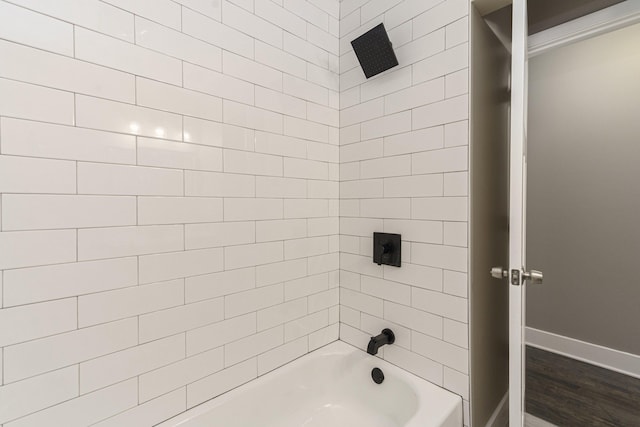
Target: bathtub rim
[(421, 385)]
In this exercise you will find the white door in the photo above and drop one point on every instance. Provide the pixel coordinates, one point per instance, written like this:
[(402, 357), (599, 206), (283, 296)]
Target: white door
[(517, 275), (517, 212)]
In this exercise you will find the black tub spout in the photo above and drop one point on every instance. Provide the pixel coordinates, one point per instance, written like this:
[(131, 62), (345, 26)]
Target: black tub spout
[(386, 337)]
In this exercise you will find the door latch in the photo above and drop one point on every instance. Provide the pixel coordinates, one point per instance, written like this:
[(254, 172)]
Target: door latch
[(515, 277), (518, 276), (534, 277)]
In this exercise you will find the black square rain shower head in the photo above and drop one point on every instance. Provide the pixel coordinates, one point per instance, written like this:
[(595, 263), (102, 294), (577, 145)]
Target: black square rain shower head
[(374, 51)]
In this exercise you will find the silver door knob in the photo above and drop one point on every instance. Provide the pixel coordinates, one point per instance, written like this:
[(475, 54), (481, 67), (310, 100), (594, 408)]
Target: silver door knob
[(499, 273), (534, 277)]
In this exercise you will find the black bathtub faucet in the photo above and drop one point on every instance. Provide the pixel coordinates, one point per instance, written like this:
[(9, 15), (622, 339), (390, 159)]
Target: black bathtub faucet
[(386, 337)]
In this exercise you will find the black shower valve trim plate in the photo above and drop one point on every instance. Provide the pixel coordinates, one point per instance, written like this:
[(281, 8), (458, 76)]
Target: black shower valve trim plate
[(387, 249)]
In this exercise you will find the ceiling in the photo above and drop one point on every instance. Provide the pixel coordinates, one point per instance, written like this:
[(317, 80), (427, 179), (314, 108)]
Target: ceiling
[(543, 14)]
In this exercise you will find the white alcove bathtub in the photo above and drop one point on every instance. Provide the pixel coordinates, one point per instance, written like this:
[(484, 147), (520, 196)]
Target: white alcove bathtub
[(330, 387)]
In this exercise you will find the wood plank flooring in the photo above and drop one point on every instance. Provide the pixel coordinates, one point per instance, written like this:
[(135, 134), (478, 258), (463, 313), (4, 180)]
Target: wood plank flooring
[(567, 392)]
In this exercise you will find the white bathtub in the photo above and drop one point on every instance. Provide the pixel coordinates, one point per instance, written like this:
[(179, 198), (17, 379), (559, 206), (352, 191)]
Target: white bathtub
[(330, 387)]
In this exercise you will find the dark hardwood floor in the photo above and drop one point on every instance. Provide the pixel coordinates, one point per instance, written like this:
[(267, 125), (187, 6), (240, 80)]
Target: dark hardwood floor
[(566, 392)]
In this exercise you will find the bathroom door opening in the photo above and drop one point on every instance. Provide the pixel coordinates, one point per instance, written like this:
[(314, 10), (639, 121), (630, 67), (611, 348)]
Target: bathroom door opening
[(568, 169), (498, 129), (583, 201)]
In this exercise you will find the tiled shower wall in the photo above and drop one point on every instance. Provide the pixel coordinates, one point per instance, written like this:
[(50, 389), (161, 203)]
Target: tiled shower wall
[(404, 169), (169, 179)]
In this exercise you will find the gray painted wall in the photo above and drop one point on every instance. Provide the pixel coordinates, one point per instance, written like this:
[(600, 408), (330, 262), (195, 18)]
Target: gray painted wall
[(489, 236), (583, 210)]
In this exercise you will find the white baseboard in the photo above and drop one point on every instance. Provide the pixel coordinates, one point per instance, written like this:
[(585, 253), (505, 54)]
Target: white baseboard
[(615, 360), (500, 417)]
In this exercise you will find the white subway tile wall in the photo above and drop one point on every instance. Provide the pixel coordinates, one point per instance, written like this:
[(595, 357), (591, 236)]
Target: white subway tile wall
[(169, 202), (404, 169), (188, 191)]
